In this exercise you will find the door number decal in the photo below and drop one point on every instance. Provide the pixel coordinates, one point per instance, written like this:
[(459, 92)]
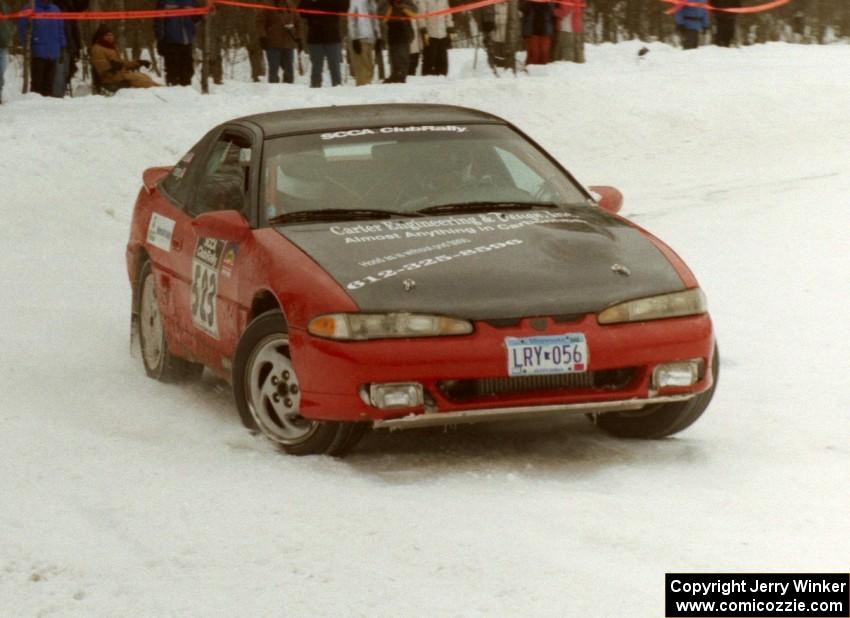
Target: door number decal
[(205, 265)]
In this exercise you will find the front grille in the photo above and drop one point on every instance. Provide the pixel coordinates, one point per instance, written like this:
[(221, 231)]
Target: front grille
[(482, 388)]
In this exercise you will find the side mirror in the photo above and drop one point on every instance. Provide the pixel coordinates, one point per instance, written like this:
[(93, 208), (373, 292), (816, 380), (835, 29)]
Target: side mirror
[(223, 225), (609, 198)]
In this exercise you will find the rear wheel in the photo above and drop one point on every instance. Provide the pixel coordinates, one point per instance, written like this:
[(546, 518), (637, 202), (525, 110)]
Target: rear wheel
[(268, 394), (159, 362), (660, 420)]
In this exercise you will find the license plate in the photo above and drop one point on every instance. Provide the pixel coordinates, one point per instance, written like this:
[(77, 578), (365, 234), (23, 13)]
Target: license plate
[(531, 356)]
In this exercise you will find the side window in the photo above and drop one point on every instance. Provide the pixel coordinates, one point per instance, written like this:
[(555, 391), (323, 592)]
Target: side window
[(224, 184), (177, 185)]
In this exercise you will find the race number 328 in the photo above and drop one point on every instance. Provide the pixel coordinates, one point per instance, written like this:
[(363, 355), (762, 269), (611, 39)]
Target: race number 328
[(205, 265)]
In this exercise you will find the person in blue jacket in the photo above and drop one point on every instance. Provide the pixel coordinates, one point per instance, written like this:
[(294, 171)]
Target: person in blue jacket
[(174, 36), (46, 44), (690, 21)]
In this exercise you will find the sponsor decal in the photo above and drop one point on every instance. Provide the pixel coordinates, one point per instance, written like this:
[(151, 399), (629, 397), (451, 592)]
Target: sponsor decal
[(229, 259), (160, 231), (188, 158), (205, 271), (414, 251), (435, 227), (392, 130), (461, 231), (429, 262), (179, 172)]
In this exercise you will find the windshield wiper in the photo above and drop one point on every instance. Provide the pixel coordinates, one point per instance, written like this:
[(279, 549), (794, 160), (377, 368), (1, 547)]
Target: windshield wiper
[(484, 207), (336, 214)]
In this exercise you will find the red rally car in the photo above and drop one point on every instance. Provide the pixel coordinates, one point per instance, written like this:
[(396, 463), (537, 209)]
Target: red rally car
[(409, 265)]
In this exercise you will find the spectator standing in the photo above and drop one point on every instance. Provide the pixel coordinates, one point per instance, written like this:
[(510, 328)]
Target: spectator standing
[(435, 56), (724, 22), (255, 55), (538, 27), (400, 35), (690, 21), (215, 61), (324, 38), (174, 36), (363, 33), (569, 38), (494, 27), (5, 43), (417, 45), (279, 33), (799, 27), (46, 43), (112, 70), (66, 68)]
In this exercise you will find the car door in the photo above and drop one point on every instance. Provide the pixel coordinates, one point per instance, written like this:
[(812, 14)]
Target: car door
[(168, 215), (207, 293)]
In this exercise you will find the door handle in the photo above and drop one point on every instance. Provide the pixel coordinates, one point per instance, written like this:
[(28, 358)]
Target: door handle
[(177, 244)]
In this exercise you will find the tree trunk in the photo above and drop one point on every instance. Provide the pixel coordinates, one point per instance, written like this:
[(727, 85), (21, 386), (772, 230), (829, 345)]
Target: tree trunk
[(205, 59)]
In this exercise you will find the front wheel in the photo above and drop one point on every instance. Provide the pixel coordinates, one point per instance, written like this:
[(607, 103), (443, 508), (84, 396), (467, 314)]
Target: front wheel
[(268, 394), (663, 419)]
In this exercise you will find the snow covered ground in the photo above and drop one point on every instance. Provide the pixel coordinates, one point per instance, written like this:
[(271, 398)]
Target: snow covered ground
[(121, 496)]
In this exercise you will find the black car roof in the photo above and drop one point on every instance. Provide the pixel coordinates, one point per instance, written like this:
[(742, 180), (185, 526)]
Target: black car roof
[(342, 117)]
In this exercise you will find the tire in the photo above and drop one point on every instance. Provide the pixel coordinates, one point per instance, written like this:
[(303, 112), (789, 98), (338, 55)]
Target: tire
[(159, 362), (268, 394), (660, 420)]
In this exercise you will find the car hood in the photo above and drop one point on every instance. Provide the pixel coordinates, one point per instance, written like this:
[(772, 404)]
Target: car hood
[(511, 264)]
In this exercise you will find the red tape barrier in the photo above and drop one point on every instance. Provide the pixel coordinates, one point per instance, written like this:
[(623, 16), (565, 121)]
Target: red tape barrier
[(450, 11), (678, 5), (458, 9), (135, 15), (108, 15)]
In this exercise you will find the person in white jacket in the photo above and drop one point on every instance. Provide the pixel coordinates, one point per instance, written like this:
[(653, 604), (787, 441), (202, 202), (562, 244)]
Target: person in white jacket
[(435, 56), (363, 32)]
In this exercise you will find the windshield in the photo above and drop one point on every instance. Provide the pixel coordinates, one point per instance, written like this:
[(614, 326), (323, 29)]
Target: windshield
[(408, 171)]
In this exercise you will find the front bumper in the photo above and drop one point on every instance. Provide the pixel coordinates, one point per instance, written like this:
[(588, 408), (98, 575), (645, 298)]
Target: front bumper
[(431, 418), (333, 374)]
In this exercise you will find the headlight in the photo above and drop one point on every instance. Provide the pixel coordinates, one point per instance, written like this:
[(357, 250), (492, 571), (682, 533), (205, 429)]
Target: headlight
[(359, 326), (689, 302)]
